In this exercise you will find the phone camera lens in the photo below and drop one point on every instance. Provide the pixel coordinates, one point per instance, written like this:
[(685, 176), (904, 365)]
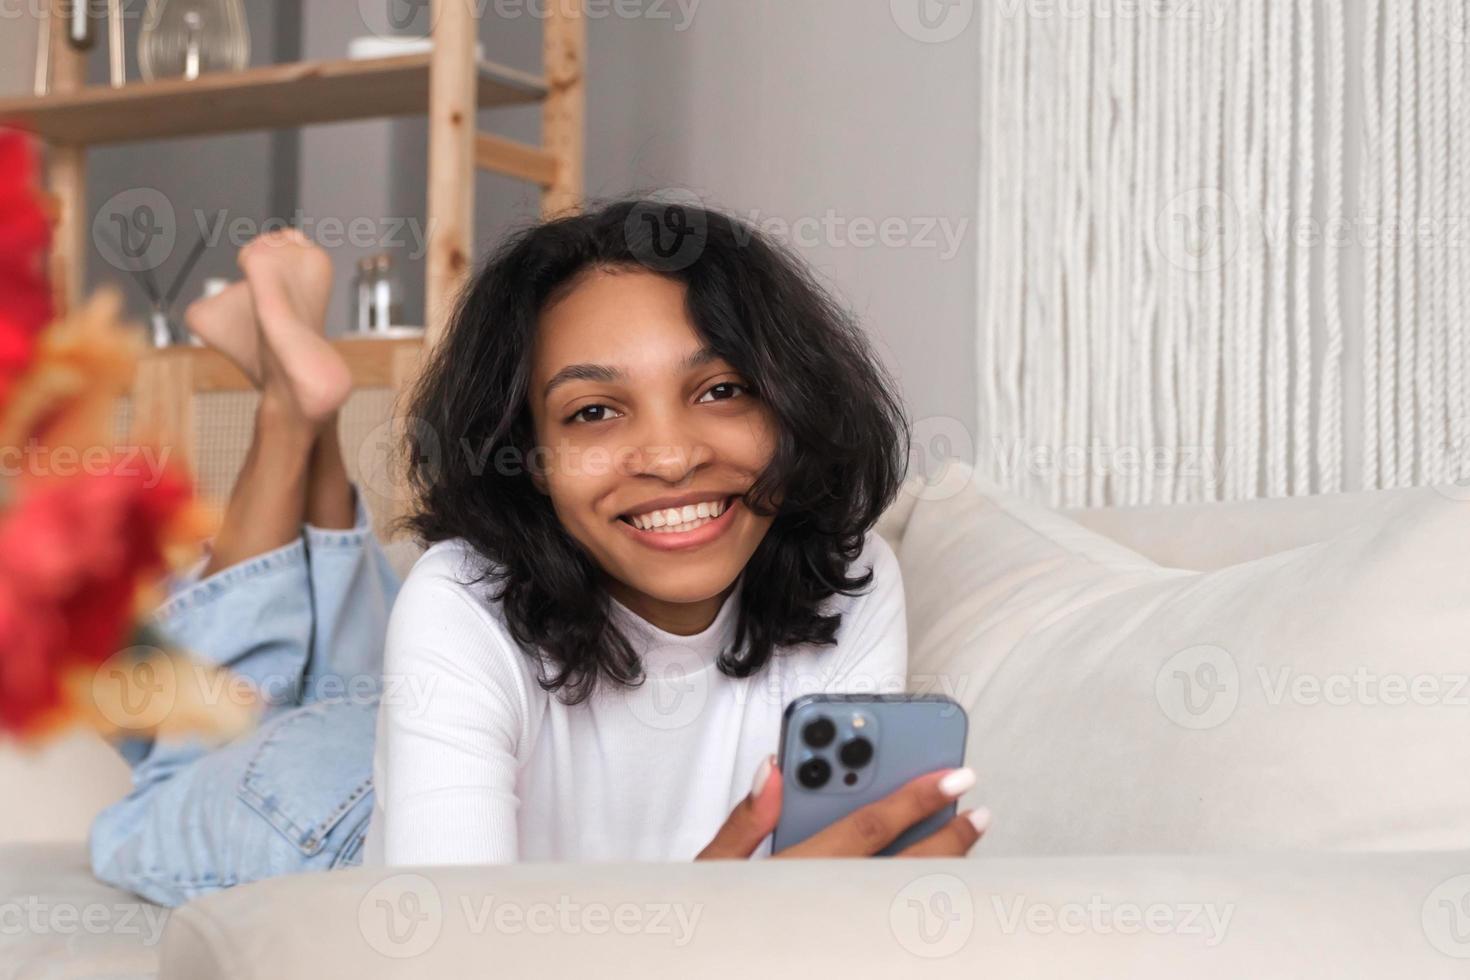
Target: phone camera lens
[(856, 753), (819, 733), (814, 773)]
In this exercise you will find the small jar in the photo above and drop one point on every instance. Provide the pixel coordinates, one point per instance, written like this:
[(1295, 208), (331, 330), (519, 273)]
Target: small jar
[(377, 296)]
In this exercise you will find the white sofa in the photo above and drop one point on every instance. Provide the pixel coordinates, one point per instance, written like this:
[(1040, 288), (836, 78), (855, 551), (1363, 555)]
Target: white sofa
[(1255, 826)]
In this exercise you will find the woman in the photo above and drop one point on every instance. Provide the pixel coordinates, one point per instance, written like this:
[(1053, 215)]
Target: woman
[(648, 488)]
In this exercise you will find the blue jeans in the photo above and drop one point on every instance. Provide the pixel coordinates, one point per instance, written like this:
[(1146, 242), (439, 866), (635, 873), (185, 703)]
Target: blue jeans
[(305, 624)]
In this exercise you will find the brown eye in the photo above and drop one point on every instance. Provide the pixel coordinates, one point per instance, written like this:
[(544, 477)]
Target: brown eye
[(729, 389), (581, 414)]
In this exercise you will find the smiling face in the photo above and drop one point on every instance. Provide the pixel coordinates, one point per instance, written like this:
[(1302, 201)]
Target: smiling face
[(648, 440)]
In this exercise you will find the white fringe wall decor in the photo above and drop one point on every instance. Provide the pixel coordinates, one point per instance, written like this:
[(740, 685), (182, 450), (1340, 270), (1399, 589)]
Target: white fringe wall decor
[(1329, 413), (1414, 365), (1372, 210), (1165, 196), (1456, 20)]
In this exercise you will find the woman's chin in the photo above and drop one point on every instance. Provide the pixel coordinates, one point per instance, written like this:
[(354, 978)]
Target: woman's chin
[(684, 591)]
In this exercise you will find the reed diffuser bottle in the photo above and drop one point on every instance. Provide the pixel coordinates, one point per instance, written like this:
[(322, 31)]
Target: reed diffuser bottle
[(186, 38)]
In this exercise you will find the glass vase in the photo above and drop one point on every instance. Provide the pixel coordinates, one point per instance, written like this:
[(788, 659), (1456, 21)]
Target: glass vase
[(186, 38)]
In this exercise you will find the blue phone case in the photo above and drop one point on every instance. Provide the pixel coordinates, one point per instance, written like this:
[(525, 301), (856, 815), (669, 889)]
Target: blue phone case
[(910, 735)]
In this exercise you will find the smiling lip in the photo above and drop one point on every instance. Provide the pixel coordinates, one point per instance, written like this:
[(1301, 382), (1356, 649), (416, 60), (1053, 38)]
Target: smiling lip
[(682, 540), (664, 503)]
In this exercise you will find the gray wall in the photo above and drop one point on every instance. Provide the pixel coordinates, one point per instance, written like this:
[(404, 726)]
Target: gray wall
[(822, 111), (17, 54)]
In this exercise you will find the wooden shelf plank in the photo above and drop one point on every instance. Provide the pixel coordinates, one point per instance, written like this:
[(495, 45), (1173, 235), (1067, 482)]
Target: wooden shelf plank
[(514, 159), (374, 363), (269, 97)]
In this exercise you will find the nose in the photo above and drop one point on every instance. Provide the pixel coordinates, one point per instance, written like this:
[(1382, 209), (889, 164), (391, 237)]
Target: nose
[(669, 450)]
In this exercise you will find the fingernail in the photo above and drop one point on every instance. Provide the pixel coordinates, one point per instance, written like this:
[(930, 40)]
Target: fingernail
[(980, 819), (956, 782), (761, 775)]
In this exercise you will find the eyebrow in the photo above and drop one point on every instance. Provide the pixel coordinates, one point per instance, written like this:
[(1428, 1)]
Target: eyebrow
[(607, 374)]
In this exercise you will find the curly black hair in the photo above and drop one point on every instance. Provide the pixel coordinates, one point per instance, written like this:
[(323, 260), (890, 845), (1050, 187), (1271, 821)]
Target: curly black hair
[(840, 456)]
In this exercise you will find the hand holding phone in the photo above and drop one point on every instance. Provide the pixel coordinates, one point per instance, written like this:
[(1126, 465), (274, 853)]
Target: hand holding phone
[(904, 806)]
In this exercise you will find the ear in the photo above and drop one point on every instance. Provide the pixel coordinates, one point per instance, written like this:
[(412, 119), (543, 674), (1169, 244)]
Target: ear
[(538, 479)]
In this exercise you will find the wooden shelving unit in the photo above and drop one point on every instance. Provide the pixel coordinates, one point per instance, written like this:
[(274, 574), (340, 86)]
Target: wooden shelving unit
[(447, 84), (270, 97)]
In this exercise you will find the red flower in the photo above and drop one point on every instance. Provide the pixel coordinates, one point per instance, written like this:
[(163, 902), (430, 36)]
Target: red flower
[(73, 556), (25, 237)]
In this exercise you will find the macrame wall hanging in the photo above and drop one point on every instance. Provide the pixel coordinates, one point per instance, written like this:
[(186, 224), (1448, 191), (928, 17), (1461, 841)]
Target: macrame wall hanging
[(1193, 257)]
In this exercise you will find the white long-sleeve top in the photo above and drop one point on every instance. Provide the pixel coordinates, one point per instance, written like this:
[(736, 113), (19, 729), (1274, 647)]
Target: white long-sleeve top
[(476, 764)]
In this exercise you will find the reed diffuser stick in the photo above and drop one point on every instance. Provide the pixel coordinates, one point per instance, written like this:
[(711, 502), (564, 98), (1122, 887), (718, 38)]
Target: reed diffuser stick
[(43, 52), (188, 267), (117, 44)]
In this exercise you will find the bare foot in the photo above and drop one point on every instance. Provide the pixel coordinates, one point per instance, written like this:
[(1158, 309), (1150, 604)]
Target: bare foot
[(290, 282), (226, 322)]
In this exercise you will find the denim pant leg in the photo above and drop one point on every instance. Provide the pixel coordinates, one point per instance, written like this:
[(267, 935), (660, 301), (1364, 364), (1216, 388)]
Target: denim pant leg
[(293, 796), (296, 794), (352, 587), (255, 619)]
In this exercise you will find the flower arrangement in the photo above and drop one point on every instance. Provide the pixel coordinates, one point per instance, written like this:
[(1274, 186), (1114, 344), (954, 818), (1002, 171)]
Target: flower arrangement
[(82, 548)]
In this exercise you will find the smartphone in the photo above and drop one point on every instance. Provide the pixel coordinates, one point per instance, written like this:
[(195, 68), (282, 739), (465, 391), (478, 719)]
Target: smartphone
[(839, 752)]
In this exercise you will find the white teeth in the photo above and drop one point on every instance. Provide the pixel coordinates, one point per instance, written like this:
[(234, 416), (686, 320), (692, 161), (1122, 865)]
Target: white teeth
[(679, 518)]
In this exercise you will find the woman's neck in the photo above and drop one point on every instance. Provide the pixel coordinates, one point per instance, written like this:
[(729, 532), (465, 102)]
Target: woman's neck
[(679, 618)]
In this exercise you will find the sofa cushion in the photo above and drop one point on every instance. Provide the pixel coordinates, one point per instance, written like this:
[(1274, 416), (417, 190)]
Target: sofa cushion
[(1206, 536), (67, 781), (1366, 915), (1315, 698)]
